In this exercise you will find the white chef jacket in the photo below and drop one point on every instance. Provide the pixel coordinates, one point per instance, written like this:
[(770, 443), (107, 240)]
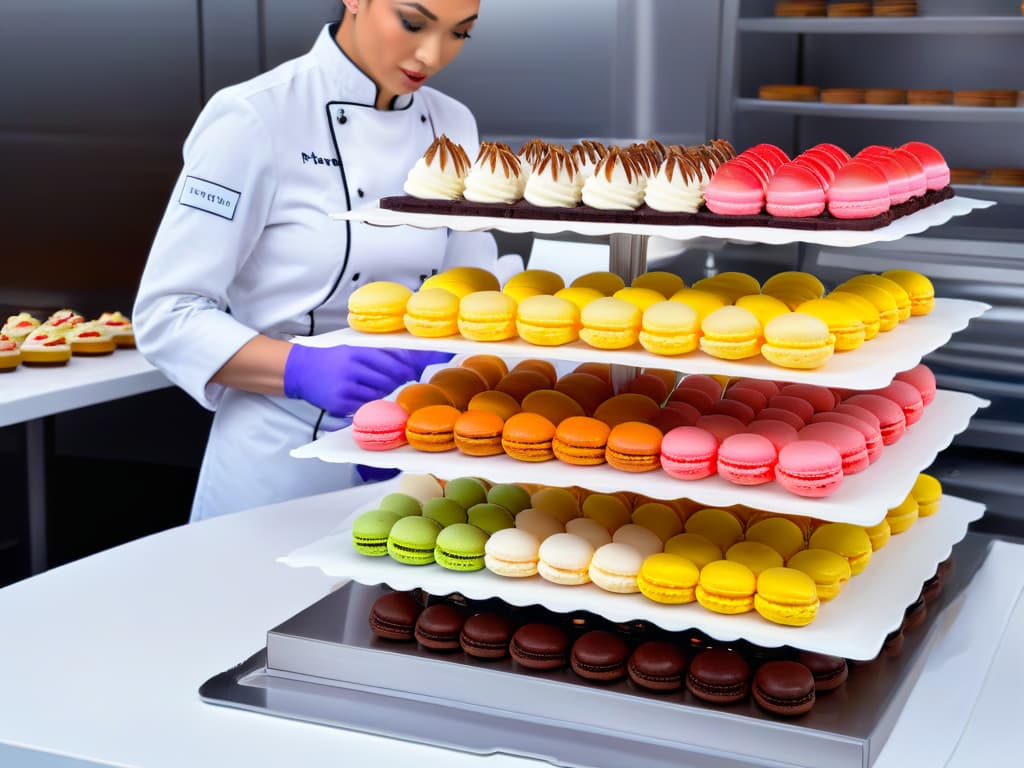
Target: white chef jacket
[(246, 246)]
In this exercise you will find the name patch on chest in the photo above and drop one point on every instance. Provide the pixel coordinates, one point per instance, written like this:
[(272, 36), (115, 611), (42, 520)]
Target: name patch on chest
[(206, 196), (312, 158)]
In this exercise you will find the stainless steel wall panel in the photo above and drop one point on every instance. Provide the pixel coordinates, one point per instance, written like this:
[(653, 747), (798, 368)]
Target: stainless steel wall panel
[(289, 27), (231, 37)]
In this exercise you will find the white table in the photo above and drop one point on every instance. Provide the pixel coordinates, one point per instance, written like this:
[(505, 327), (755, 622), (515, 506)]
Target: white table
[(101, 659), (29, 395)]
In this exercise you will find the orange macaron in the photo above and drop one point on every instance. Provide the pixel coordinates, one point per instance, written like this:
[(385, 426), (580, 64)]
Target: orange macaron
[(603, 371), (460, 384), (581, 440), (527, 437), (634, 447), (495, 402), (490, 367), (518, 384), (478, 433), (552, 405), (418, 395), (432, 429)]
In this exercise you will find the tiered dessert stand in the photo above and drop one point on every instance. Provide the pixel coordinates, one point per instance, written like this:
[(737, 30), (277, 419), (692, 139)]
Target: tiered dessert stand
[(323, 665)]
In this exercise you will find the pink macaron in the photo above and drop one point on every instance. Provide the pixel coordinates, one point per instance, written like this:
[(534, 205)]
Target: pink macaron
[(773, 155), (733, 408), (379, 425), (793, 404), (747, 459), (735, 190), (751, 398), (915, 171), (859, 191), (820, 398), (859, 413), (780, 414), (922, 379), (935, 168), (795, 191), (779, 432), (764, 386), (721, 426), (707, 384), (891, 419), (872, 435), (906, 397), (809, 468), (850, 443), (698, 398), (819, 167), (689, 453)]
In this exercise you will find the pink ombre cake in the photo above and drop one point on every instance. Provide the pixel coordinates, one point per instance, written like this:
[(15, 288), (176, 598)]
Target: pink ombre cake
[(795, 191), (734, 190), (935, 168), (858, 191)]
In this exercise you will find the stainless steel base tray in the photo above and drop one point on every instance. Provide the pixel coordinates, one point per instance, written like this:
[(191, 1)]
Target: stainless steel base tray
[(324, 666)]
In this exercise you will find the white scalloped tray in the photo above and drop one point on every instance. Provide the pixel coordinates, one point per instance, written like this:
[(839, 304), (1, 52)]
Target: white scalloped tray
[(862, 499), (915, 223), (853, 625), (871, 366)]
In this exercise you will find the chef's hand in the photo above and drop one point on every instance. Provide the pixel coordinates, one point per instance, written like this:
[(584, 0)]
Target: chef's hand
[(340, 379)]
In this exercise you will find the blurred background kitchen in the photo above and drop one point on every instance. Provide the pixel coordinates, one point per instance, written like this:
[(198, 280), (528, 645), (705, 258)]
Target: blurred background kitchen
[(97, 99)]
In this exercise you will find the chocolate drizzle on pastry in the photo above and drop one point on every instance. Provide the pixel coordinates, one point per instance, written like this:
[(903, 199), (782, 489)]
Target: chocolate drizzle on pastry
[(494, 154), (588, 151), (533, 151), (447, 151), (556, 160)]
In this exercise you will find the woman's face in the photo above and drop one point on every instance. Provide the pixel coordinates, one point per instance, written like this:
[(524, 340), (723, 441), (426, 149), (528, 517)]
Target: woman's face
[(401, 44)]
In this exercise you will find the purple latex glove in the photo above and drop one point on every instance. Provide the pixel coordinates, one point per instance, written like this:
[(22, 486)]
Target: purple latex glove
[(340, 379)]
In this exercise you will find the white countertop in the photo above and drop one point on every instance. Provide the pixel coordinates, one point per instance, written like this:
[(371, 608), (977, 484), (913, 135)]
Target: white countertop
[(101, 659), (29, 393)]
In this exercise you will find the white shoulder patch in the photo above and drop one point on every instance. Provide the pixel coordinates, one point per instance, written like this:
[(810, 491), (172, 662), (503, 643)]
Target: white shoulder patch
[(210, 197)]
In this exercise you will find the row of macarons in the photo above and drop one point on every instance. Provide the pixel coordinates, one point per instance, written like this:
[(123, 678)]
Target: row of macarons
[(789, 321), (806, 442), (710, 557), (680, 179), (653, 661), (26, 339)]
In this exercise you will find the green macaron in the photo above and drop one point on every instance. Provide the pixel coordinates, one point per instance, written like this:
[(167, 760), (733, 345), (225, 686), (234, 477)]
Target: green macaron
[(512, 497), (402, 504), (490, 517), (445, 511), (467, 491), (370, 532), (460, 547), (412, 540)]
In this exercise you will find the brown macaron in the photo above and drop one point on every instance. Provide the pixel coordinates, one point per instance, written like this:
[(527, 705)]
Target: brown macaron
[(438, 628), (460, 384), (651, 385), (486, 636), (554, 406), (539, 646), (586, 389), (495, 402), (540, 366), (603, 371), (634, 447), (829, 672), (490, 368), (719, 676), (393, 616), (657, 666), (600, 656), (478, 433), (626, 407), (418, 395), (518, 384), (784, 688)]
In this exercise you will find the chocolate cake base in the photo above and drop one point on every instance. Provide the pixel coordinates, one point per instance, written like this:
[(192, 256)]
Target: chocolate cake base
[(645, 215)]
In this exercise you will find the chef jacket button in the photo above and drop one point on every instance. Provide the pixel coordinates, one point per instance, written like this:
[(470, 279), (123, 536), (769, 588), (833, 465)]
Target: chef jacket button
[(341, 117), (360, 193), (355, 277), (423, 118)]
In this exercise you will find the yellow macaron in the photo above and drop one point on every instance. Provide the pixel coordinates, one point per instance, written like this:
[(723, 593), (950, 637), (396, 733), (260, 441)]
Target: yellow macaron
[(891, 287), (547, 321), (903, 515), (432, 313), (669, 328), (610, 511), (665, 283), (879, 534), (611, 323), (378, 307), (606, 283), (928, 492), (579, 296), (764, 308), (849, 541), (463, 281), (695, 547), (917, 286), (864, 309), (487, 316), (782, 535), (731, 284), (731, 333), (842, 321), (797, 341), (829, 571), (658, 518), (794, 283), (756, 556), (786, 596), (727, 587), (702, 302), (668, 578), (718, 526), (533, 282), (884, 303), (640, 297)]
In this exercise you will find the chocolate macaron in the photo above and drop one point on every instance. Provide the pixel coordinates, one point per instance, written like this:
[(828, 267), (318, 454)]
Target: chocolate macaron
[(719, 676), (438, 628), (599, 655), (393, 616), (829, 672), (784, 688), (915, 614), (486, 636), (657, 666), (539, 646)]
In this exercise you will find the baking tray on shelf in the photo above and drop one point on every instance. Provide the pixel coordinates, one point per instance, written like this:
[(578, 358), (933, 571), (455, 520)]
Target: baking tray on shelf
[(853, 625), (324, 666), (863, 498), (871, 366), (912, 224)]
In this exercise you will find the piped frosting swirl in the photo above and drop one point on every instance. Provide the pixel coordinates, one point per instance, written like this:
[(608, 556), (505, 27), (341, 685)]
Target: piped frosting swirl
[(677, 187), (555, 181), (441, 173), (616, 184), (496, 176)]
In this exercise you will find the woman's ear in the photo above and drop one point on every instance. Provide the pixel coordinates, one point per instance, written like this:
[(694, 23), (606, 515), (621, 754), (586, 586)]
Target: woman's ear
[(351, 6)]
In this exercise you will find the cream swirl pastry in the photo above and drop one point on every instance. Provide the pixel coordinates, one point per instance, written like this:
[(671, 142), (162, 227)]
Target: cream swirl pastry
[(19, 326), (496, 176), (677, 187), (441, 173), (587, 155), (530, 155), (555, 181), (615, 185), (646, 160)]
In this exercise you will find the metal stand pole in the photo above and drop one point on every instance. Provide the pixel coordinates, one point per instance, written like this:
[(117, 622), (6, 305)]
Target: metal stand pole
[(35, 458), (627, 258)]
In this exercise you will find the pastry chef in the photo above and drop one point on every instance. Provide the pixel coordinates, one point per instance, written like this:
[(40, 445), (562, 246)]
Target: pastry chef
[(247, 257)]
